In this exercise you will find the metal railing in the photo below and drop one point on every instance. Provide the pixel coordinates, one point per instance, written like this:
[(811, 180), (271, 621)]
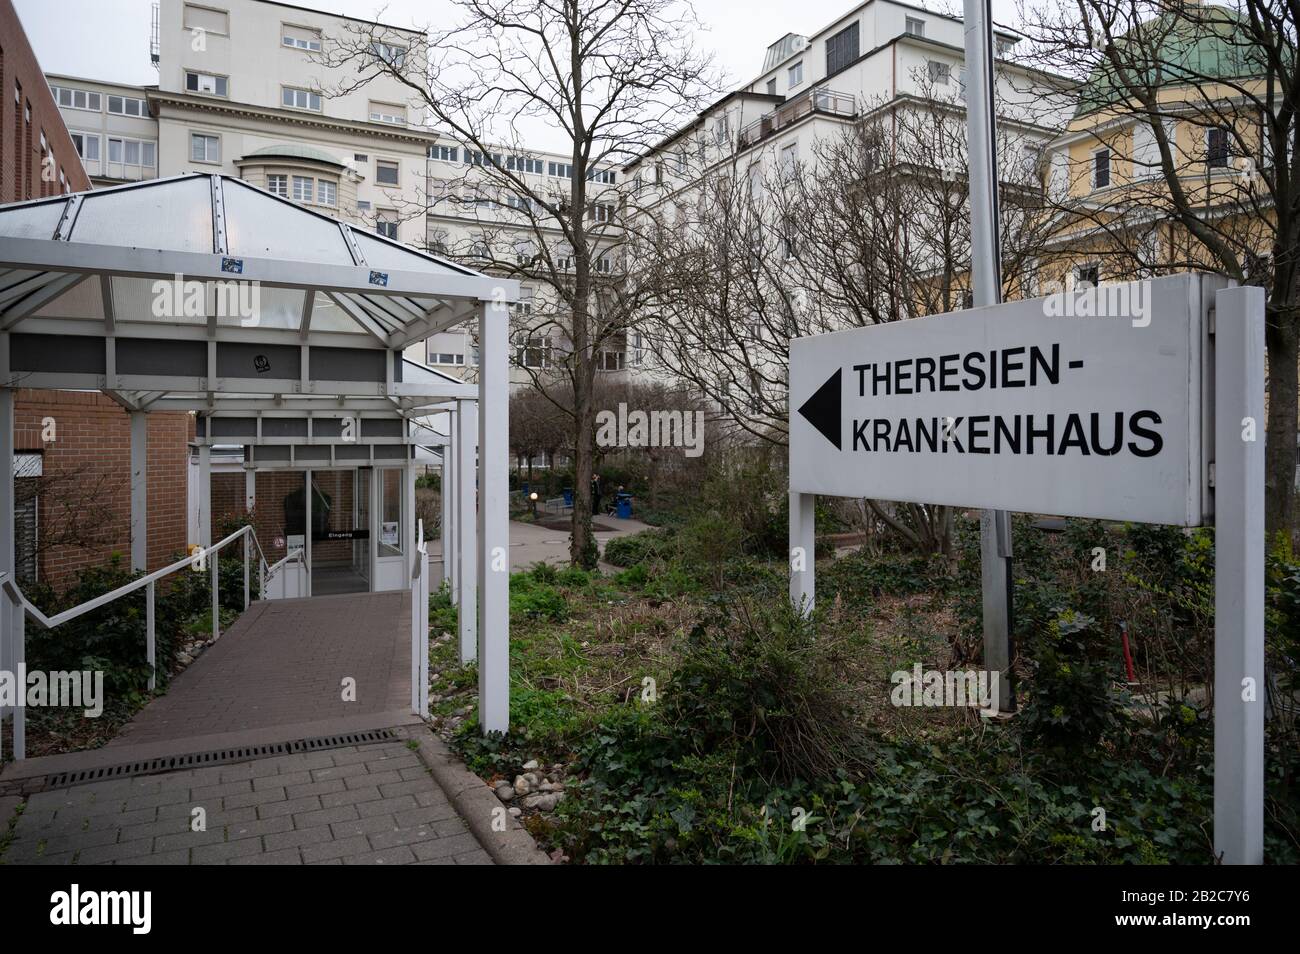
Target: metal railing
[(16, 609), (420, 626), (816, 100)]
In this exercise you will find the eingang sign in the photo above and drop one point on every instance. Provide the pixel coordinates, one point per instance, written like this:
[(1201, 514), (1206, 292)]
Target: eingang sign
[(1037, 406)]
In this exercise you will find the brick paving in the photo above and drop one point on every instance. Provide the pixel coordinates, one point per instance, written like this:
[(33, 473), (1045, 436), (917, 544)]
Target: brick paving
[(367, 804), (283, 663)]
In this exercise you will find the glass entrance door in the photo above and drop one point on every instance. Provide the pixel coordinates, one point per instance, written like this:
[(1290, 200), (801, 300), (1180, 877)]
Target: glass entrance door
[(361, 518), (335, 534)]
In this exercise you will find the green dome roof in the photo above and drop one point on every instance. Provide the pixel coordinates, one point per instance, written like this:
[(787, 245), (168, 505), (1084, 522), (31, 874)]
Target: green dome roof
[(287, 151), (1189, 46)]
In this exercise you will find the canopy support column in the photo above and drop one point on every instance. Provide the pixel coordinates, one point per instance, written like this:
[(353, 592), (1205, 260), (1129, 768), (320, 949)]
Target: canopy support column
[(10, 615), (494, 516), (250, 490), (450, 542), (139, 491), (467, 577), (205, 496)]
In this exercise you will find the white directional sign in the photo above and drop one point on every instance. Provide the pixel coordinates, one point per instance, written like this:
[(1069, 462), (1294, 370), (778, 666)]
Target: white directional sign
[(1086, 404)]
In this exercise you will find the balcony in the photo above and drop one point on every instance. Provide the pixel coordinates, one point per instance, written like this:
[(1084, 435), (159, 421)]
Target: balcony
[(819, 100)]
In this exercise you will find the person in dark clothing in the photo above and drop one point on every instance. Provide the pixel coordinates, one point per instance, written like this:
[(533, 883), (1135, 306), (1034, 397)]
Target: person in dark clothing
[(595, 495)]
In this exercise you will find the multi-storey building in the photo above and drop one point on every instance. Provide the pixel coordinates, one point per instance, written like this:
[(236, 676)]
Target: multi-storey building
[(483, 211), (111, 126)]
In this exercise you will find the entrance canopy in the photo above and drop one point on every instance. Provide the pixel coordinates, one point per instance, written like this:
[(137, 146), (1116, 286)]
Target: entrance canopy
[(169, 293), (284, 330)]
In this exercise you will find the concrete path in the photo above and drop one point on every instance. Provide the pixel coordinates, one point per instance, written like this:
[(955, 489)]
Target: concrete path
[(368, 804), (530, 543)]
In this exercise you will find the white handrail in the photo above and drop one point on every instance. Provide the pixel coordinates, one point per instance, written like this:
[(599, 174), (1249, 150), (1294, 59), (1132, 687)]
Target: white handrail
[(49, 622), (13, 631)]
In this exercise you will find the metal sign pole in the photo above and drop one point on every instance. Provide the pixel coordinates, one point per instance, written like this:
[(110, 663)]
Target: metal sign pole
[(1239, 685), (986, 288)]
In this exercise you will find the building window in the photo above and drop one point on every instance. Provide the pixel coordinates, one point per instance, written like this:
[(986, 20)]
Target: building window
[(604, 264), (534, 352), (300, 38), (939, 72), (386, 172), (610, 360), (208, 83), (206, 20), (1087, 276), (87, 145), (299, 98), (794, 75), (77, 98), (841, 49), (602, 212), (915, 26), (326, 192), (524, 164), (444, 357), (302, 189), (394, 56), (789, 160), (132, 152), (386, 225), (388, 113), (1216, 147), (771, 86), (127, 106), (202, 148), (1101, 169), (444, 153), (603, 176), (278, 184), (721, 131), (559, 170)]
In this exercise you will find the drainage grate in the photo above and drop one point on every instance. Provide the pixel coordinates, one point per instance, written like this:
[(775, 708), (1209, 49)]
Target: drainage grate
[(175, 763)]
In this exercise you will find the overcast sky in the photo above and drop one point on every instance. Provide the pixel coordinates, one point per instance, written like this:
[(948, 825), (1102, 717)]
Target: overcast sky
[(109, 39)]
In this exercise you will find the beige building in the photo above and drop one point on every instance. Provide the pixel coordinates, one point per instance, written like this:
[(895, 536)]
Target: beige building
[(111, 126)]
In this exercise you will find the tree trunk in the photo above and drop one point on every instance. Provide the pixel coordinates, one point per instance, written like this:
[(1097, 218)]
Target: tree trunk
[(1280, 447)]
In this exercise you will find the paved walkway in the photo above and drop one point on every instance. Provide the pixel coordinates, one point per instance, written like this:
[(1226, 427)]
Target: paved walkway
[(275, 676), (283, 663), (369, 804)]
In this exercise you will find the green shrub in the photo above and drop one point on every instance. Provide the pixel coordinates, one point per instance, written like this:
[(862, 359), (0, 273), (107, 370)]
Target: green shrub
[(536, 601), (637, 548)]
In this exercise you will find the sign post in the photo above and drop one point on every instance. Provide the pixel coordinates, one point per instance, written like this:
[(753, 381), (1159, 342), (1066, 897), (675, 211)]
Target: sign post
[(1141, 402), (986, 289), (1239, 576)]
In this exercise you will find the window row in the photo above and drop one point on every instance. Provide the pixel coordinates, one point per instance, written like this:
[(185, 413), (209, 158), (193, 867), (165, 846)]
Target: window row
[(304, 188), (94, 102), (131, 152)]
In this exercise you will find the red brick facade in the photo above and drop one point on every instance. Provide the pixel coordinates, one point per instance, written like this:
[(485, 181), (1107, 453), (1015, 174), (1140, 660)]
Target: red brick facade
[(85, 503), (268, 517), (29, 117)]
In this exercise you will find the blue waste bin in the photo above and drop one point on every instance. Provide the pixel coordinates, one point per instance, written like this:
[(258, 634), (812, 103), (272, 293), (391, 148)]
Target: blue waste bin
[(623, 506), (568, 496), (524, 491)]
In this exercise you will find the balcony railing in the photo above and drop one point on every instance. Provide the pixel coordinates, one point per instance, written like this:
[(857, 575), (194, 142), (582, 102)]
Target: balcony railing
[(817, 100)]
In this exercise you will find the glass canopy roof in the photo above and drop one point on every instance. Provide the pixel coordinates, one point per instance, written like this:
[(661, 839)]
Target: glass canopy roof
[(235, 255)]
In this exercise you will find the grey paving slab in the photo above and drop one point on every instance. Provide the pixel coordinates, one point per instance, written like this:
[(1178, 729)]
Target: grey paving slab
[(102, 822)]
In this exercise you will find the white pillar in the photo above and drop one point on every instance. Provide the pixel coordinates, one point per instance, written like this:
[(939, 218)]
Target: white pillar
[(803, 549), (1239, 576), (250, 489), (306, 529), (450, 542), (467, 577), (205, 496), (139, 491), (494, 517), (8, 524), (444, 522)]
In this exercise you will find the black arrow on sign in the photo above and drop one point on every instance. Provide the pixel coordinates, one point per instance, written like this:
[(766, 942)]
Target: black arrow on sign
[(822, 410)]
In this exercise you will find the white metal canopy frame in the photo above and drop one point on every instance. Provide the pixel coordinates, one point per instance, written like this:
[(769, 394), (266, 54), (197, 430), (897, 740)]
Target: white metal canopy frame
[(203, 293)]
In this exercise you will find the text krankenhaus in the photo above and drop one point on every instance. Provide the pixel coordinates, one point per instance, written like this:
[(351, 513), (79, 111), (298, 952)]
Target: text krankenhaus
[(1080, 432)]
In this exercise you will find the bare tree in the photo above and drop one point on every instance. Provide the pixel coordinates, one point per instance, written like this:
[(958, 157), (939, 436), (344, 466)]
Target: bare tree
[(609, 78), (1196, 107), (873, 227)]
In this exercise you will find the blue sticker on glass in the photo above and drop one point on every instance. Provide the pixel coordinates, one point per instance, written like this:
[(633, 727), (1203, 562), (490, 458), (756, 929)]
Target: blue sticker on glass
[(235, 266), (379, 278)]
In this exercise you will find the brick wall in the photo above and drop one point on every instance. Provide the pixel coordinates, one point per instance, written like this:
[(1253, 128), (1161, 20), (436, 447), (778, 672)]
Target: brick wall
[(86, 491), (28, 113)]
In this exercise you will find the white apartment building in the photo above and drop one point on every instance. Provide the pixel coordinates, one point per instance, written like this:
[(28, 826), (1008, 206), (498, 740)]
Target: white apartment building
[(111, 126), (881, 55), (486, 221)]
